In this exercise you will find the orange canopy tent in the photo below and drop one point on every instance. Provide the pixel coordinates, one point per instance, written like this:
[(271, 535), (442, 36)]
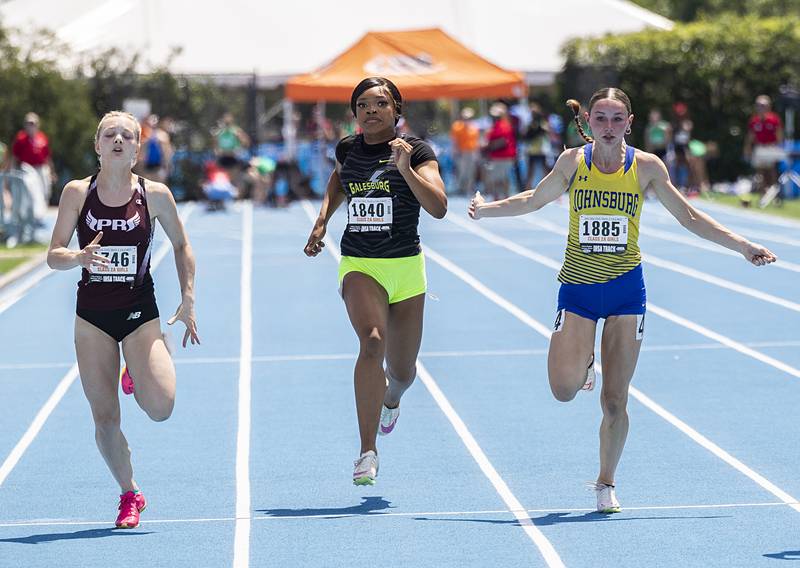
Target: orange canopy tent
[(424, 64)]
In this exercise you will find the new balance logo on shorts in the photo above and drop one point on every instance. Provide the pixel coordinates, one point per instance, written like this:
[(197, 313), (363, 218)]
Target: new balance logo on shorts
[(134, 316)]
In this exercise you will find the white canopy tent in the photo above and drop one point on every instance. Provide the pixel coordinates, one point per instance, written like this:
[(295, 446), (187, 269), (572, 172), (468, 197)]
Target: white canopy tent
[(273, 40)]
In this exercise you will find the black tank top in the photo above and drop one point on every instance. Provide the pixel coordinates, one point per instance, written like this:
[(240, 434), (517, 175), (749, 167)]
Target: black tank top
[(127, 243), (382, 211)]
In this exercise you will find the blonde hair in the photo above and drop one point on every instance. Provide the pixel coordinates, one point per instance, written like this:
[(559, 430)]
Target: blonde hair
[(137, 129)]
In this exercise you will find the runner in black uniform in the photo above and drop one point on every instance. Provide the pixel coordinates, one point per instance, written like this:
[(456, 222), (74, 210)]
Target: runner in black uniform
[(113, 212), (382, 273)]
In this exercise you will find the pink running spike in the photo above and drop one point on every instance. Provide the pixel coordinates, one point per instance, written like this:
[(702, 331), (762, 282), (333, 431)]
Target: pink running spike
[(130, 505), (126, 380)]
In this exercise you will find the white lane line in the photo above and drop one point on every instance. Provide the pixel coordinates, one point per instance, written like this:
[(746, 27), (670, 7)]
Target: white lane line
[(673, 266), (638, 395), (694, 242), (756, 217), (548, 552), (423, 354), (721, 282), (715, 449), (16, 293), (741, 348), (241, 540), (38, 421), (44, 413), (550, 263), (515, 507), (668, 220), (380, 514)]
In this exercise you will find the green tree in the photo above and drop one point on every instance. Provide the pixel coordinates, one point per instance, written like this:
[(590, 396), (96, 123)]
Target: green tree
[(30, 82), (691, 10), (717, 67)]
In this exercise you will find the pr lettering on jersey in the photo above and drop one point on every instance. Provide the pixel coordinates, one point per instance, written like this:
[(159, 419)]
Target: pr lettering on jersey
[(96, 224)]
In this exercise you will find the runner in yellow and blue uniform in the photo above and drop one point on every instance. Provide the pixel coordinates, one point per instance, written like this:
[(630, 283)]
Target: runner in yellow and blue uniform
[(385, 180), (602, 275)]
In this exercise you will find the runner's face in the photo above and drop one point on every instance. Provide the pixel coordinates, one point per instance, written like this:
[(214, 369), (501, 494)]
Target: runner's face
[(609, 120), (375, 111), (117, 141)]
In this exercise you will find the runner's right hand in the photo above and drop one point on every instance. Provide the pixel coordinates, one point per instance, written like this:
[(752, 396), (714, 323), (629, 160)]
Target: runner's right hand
[(472, 209), (88, 256), (315, 243)]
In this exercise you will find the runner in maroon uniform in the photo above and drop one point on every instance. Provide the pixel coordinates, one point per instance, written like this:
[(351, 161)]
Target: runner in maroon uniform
[(113, 212)]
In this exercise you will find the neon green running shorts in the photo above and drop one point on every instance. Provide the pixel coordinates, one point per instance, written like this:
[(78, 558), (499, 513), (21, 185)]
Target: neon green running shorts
[(402, 278)]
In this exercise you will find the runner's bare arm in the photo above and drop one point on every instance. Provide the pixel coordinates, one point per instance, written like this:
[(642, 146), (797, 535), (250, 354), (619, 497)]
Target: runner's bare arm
[(334, 196), (163, 207), (653, 174), (425, 181), (549, 189), (59, 256)]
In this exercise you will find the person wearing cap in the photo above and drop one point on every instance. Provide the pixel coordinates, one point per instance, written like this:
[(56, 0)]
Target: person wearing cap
[(30, 152), (762, 145), (466, 142), (501, 147)]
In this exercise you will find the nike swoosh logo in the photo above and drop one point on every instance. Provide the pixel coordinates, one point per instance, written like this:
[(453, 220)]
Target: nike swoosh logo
[(384, 161)]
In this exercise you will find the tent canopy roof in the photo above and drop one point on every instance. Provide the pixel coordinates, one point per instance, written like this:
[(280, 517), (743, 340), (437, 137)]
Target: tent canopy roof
[(275, 40), (424, 64)]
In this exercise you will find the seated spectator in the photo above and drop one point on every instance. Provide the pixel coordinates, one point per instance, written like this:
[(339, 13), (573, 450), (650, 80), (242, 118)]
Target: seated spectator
[(259, 176), (218, 187), (32, 148)]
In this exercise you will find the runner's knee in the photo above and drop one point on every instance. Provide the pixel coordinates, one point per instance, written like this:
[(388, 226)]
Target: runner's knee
[(564, 386), (563, 393), (106, 419), (161, 410), (614, 405), (373, 343), (401, 374)]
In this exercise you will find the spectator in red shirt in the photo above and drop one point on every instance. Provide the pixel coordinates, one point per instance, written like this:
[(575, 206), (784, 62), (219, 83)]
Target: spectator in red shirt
[(501, 148), (31, 154), (763, 144)]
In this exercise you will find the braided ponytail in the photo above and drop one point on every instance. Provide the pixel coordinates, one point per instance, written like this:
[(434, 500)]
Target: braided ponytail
[(575, 106)]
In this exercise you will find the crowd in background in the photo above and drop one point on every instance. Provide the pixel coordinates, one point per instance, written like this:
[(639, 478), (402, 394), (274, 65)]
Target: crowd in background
[(510, 148)]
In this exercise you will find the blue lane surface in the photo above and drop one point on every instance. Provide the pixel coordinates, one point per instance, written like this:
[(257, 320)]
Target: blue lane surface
[(307, 426), (432, 505)]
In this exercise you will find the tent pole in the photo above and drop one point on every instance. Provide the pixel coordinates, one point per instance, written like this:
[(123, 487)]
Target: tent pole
[(454, 110), (321, 147), (288, 130), (252, 100)]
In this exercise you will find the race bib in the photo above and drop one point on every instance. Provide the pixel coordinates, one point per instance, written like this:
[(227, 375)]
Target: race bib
[(603, 234), (121, 267), (370, 214)]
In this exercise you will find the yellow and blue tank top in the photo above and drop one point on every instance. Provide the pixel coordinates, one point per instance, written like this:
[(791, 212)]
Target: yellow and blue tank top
[(604, 213)]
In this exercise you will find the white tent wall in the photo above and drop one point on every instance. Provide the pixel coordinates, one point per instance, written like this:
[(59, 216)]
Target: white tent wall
[(236, 38)]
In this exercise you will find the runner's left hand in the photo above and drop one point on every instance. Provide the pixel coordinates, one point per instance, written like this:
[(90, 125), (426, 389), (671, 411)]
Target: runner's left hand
[(758, 254), (401, 154), (185, 313)]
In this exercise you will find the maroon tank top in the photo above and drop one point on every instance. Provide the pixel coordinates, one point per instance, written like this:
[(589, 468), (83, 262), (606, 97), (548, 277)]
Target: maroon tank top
[(127, 243)]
